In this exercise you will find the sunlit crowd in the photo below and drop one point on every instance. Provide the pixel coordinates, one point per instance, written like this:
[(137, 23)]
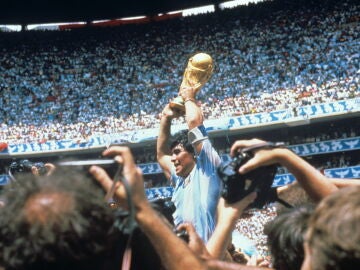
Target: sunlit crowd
[(76, 84)]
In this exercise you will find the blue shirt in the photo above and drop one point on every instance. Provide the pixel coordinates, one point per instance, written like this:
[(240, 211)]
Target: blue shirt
[(196, 196)]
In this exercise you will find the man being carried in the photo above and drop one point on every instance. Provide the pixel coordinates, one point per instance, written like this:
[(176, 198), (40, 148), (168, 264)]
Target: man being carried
[(190, 163)]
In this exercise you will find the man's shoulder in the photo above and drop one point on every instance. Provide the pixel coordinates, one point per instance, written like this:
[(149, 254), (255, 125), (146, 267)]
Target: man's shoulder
[(207, 149), (205, 145)]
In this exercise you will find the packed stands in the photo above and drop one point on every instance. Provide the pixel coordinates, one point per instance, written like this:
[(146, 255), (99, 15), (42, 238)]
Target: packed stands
[(89, 82), (80, 86)]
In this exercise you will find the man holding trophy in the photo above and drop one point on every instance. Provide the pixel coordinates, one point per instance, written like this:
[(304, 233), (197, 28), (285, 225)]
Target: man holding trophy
[(189, 161)]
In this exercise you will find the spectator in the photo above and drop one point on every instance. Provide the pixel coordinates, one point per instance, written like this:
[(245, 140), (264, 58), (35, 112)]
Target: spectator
[(332, 240), (315, 61), (58, 222), (62, 221), (285, 237)]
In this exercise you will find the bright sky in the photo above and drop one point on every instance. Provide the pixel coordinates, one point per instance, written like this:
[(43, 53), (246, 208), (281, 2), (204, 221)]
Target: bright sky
[(185, 12)]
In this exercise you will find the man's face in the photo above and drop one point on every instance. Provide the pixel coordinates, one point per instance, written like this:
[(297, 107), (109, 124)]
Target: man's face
[(183, 161)]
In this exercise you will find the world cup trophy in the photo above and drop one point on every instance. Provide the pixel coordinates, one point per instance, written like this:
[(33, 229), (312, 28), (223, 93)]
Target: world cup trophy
[(197, 73)]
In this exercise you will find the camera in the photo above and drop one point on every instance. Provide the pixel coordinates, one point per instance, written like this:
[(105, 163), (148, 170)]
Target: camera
[(26, 165), (182, 234), (236, 186)]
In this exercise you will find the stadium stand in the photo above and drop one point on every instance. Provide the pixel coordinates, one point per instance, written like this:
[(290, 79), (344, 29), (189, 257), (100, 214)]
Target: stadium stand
[(289, 75), (86, 82)]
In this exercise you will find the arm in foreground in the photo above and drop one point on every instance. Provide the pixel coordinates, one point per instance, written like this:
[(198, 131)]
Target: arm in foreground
[(228, 214)]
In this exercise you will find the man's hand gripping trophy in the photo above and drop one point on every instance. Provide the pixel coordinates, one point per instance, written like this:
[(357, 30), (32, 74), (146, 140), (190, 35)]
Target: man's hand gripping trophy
[(197, 73)]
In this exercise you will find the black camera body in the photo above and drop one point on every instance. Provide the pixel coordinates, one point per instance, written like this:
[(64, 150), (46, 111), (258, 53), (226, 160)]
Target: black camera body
[(26, 165), (236, 186), (183, 234)]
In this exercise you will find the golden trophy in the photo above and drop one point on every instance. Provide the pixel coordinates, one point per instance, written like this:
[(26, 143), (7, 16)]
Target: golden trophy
[(197, 73)]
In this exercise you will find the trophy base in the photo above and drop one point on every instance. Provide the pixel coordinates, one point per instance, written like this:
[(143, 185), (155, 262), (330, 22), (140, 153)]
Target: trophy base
[(178, 103)]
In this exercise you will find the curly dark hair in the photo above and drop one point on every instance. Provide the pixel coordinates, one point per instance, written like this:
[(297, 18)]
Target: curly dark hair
[(181, 137), (333, 234), (286, 235), (57, 221)]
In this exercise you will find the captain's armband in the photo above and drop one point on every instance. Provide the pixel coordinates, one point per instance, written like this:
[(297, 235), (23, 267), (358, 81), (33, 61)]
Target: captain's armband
[(197, 134)]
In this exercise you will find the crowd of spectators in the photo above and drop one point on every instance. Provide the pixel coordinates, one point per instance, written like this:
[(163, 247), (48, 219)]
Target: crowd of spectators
[(305, 134), (251, 225), (343, 132), (96, 81), (79, 83)]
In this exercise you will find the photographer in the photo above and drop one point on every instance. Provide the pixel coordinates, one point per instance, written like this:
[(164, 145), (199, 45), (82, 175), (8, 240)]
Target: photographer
[(332, 239), (62, 221), (57, 222), (36, 168), (316, 186)]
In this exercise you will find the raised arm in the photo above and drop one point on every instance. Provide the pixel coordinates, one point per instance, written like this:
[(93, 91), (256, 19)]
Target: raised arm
[(163, 154), (193, 114), (316, 185), (228, 215)]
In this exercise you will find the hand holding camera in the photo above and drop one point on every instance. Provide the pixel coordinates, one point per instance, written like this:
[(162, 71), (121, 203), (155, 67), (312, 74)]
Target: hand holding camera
[(27, 166), (130, 171), (245, 174)]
